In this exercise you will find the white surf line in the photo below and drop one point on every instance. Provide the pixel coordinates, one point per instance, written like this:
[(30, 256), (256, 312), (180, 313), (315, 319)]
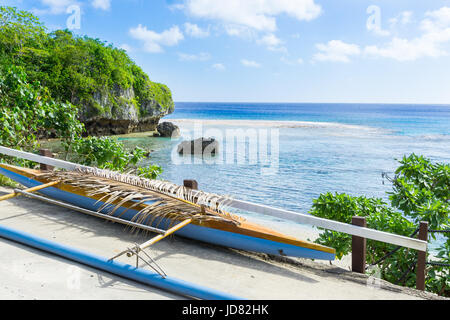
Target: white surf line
[(263, 209), (278, 124)]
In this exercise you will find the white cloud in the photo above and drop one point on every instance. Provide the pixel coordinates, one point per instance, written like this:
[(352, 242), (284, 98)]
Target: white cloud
[(272, 43), (402, 19), (256, 14), (381, 32), (239, 31), (219, 66), (153, 41), (436, 32), (195, 31), (436, 21), (287, 61), (250, 64), (203, 56), (270, 40), (101, 4), (406, 50), (336, 50), (61, 6), (406, 17), (126, 47), (176, 6), (55, 6)]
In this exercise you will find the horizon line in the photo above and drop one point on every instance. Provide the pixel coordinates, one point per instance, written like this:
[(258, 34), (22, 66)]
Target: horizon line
[(305, 102)]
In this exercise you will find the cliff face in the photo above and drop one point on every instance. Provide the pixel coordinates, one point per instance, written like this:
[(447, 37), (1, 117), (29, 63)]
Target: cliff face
[(112, 93), (118, 111)]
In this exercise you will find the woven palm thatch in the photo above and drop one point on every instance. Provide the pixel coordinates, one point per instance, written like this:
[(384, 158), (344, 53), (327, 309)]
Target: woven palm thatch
[(154, 198)]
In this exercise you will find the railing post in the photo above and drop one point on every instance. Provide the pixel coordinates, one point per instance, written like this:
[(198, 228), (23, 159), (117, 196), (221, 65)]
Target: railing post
[(46, 153), (359, 247), (421, 257), (191, 184)]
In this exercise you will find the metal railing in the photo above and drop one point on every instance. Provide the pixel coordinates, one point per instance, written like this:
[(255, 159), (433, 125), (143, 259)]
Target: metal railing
[(357, 229)]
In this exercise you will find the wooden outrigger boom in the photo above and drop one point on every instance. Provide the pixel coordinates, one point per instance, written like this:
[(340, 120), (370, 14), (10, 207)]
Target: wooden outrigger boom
[(29, 190)]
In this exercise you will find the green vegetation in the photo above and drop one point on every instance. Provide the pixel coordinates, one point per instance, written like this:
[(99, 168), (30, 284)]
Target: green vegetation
[(421, 192), (42, 74), (74, 69)]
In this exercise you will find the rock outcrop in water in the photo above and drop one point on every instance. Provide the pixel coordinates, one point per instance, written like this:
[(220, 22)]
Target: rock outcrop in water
[(200, 146), (168, 129)]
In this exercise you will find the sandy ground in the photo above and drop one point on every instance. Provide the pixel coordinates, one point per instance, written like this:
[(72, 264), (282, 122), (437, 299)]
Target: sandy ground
[(26, 273)]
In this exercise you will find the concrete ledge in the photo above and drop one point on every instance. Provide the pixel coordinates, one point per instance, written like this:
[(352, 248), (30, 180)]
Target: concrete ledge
[(249, 275)]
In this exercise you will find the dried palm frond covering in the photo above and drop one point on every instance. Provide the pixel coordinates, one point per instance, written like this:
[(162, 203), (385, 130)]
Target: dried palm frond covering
[(116, 189)]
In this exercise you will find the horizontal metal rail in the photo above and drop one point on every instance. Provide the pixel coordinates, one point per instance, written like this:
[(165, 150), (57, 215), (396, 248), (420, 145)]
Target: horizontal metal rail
[(331, 225), (41, 159), (90, 212), (263, 209)]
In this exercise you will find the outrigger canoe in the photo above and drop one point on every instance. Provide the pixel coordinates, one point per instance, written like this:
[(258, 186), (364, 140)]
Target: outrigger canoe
[(215, 228)]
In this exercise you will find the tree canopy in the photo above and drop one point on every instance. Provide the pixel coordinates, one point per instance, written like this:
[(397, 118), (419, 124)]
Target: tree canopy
[(73, 68)]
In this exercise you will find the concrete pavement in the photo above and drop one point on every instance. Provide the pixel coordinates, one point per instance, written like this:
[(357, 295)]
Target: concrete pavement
[(27, 273)]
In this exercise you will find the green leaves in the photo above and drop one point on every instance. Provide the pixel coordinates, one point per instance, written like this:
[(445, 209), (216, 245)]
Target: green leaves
[(28, 112), (421, 189), (41, 73), (108, 153), (74, 68), (150, 172), (421, 192), (342, 207)]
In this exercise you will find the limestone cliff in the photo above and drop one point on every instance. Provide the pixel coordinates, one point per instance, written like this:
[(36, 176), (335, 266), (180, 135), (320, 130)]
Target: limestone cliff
[(119, 111)]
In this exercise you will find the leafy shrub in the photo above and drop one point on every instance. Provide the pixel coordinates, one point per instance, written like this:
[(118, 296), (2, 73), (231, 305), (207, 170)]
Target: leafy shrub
[(73, 68), (28, 112), (40, 72), (105, 152), (421, 192)]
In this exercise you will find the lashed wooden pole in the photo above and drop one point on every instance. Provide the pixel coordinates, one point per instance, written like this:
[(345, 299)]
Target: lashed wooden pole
[(161, 236), (39, 187)]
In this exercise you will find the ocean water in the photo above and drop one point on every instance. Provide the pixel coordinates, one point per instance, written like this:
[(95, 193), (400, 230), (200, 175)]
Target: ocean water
[(321, 148)]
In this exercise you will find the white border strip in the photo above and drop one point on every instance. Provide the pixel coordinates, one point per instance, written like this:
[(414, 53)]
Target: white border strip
[(263, 209)]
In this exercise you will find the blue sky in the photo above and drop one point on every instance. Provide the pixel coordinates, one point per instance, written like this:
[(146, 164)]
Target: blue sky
[(378, 51)]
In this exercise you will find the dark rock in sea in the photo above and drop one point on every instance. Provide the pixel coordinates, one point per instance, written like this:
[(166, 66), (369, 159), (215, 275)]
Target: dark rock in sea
[(200, 146), (168, 129)]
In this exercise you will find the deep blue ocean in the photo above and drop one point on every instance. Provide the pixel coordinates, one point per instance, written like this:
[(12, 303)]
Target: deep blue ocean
[(403, 119), (325, 147)]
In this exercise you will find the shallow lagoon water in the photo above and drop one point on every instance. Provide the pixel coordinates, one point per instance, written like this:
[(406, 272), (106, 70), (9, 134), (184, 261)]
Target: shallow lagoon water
[(331, 148)]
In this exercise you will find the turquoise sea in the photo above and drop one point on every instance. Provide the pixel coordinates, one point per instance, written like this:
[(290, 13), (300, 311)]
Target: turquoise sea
[(322, 147)]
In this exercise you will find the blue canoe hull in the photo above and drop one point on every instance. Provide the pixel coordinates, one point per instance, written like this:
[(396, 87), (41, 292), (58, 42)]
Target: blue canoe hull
[(192, 231)]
